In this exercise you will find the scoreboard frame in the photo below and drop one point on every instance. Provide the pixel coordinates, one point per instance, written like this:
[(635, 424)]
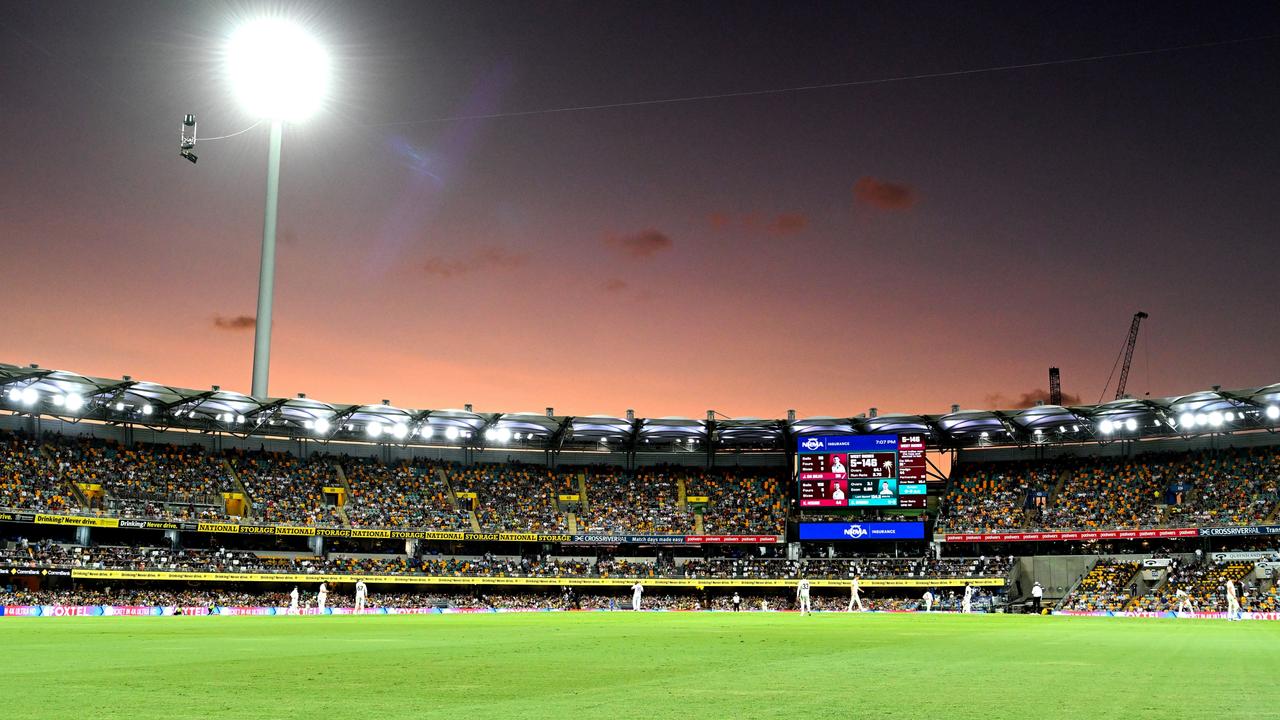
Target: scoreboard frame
[(878, 470)]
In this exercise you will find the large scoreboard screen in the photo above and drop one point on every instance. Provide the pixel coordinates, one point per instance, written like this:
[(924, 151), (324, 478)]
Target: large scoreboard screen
[(861, 471)]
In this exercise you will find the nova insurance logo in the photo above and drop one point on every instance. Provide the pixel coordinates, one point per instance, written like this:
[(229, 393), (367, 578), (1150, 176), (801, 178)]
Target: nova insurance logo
[(855, 531), (813, 444)]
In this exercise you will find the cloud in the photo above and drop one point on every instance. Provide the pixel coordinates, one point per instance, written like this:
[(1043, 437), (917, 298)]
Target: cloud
[(883, 195), (234, 323), (1000, 401), (489, 258), (788, 224), (644, 244), (614, 285)]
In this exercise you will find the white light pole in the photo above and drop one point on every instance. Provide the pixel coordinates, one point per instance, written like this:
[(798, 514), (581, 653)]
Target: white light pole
[(280, 73)]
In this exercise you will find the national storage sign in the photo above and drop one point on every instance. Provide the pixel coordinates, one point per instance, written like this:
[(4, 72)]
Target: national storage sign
[(862, 531)]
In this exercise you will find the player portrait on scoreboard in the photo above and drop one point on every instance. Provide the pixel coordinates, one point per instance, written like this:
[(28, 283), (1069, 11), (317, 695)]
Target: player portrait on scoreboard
[(836, 465), (888, 488), (837, 491)]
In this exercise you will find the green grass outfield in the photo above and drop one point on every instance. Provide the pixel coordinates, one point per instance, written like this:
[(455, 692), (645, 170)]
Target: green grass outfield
[(638, 665)]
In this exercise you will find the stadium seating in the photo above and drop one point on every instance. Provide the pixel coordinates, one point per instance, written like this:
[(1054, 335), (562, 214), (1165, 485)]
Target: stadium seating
[(400, 495), (645, 502), (1104, 587), (28, 480), (739, 502), (513, 497), (992, 498), (285, 489), (1201, 488), (1203, 582)]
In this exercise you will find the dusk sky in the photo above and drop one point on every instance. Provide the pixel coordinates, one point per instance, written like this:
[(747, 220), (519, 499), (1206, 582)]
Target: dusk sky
[(903, 245)]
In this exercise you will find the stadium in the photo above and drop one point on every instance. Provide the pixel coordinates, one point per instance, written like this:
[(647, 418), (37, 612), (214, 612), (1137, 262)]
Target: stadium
[(658, 207)]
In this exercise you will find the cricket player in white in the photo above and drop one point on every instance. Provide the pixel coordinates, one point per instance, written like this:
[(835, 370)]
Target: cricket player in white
[(322, 597), (966, 605), (928, 601), (855, 596), (636, 591), (293, 601), (1233, 603), (802, 595), (1184, 600), (361, 593)]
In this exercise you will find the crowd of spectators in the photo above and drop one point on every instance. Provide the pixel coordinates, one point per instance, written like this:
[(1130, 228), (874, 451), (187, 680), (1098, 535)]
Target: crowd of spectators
[(739, 502), (993, 497), (514, 496), (400, 495), (1232, 487), (849, 568), (286, 489), (1105, 587), (1204, 582), (1192, 489), (644, 502), (27, 479)]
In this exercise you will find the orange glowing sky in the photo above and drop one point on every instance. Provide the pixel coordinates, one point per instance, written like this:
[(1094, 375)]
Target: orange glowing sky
[(903, 246)]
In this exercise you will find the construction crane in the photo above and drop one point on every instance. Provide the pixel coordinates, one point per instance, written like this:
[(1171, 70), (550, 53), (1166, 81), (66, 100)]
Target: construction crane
[(1127, 352)]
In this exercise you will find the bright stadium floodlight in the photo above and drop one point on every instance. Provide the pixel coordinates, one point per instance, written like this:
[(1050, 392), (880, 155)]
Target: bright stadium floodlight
[(1187, 420), (146, 410), (399, 431), (1273, 412), (74, 401), (426, 432), (1202, 419), (58, 400), (1215, 419), (29, 395), (320, 425), (1229, 416), (451, 433), (119, 407), (1106, 426), (15, 395), (374, 429), (503, 435), (278, 72), (1131, 425)]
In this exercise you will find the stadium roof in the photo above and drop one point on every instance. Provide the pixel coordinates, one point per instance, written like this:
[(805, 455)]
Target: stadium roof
[(70, 396)]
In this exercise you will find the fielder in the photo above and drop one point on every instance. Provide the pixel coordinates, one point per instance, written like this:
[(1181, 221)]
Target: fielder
[(928, 601), (966, 605), (293, 601), (322, 597), (855, 595), (636, 591), (362, 592), (802, 596), (1233, 602), (1184, 601)]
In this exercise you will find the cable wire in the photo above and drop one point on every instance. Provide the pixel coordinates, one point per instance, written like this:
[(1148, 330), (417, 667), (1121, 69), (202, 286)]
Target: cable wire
[(224, 137), (827, 86)]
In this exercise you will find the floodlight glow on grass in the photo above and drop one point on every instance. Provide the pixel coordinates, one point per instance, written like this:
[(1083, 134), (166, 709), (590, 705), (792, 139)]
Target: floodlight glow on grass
[(277, 70)]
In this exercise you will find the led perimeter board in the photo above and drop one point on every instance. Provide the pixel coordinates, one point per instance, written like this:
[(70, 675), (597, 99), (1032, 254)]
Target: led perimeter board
[(861, 471)]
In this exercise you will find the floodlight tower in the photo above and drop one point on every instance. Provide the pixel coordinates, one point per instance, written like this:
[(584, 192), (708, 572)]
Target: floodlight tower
[(279, 73)]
